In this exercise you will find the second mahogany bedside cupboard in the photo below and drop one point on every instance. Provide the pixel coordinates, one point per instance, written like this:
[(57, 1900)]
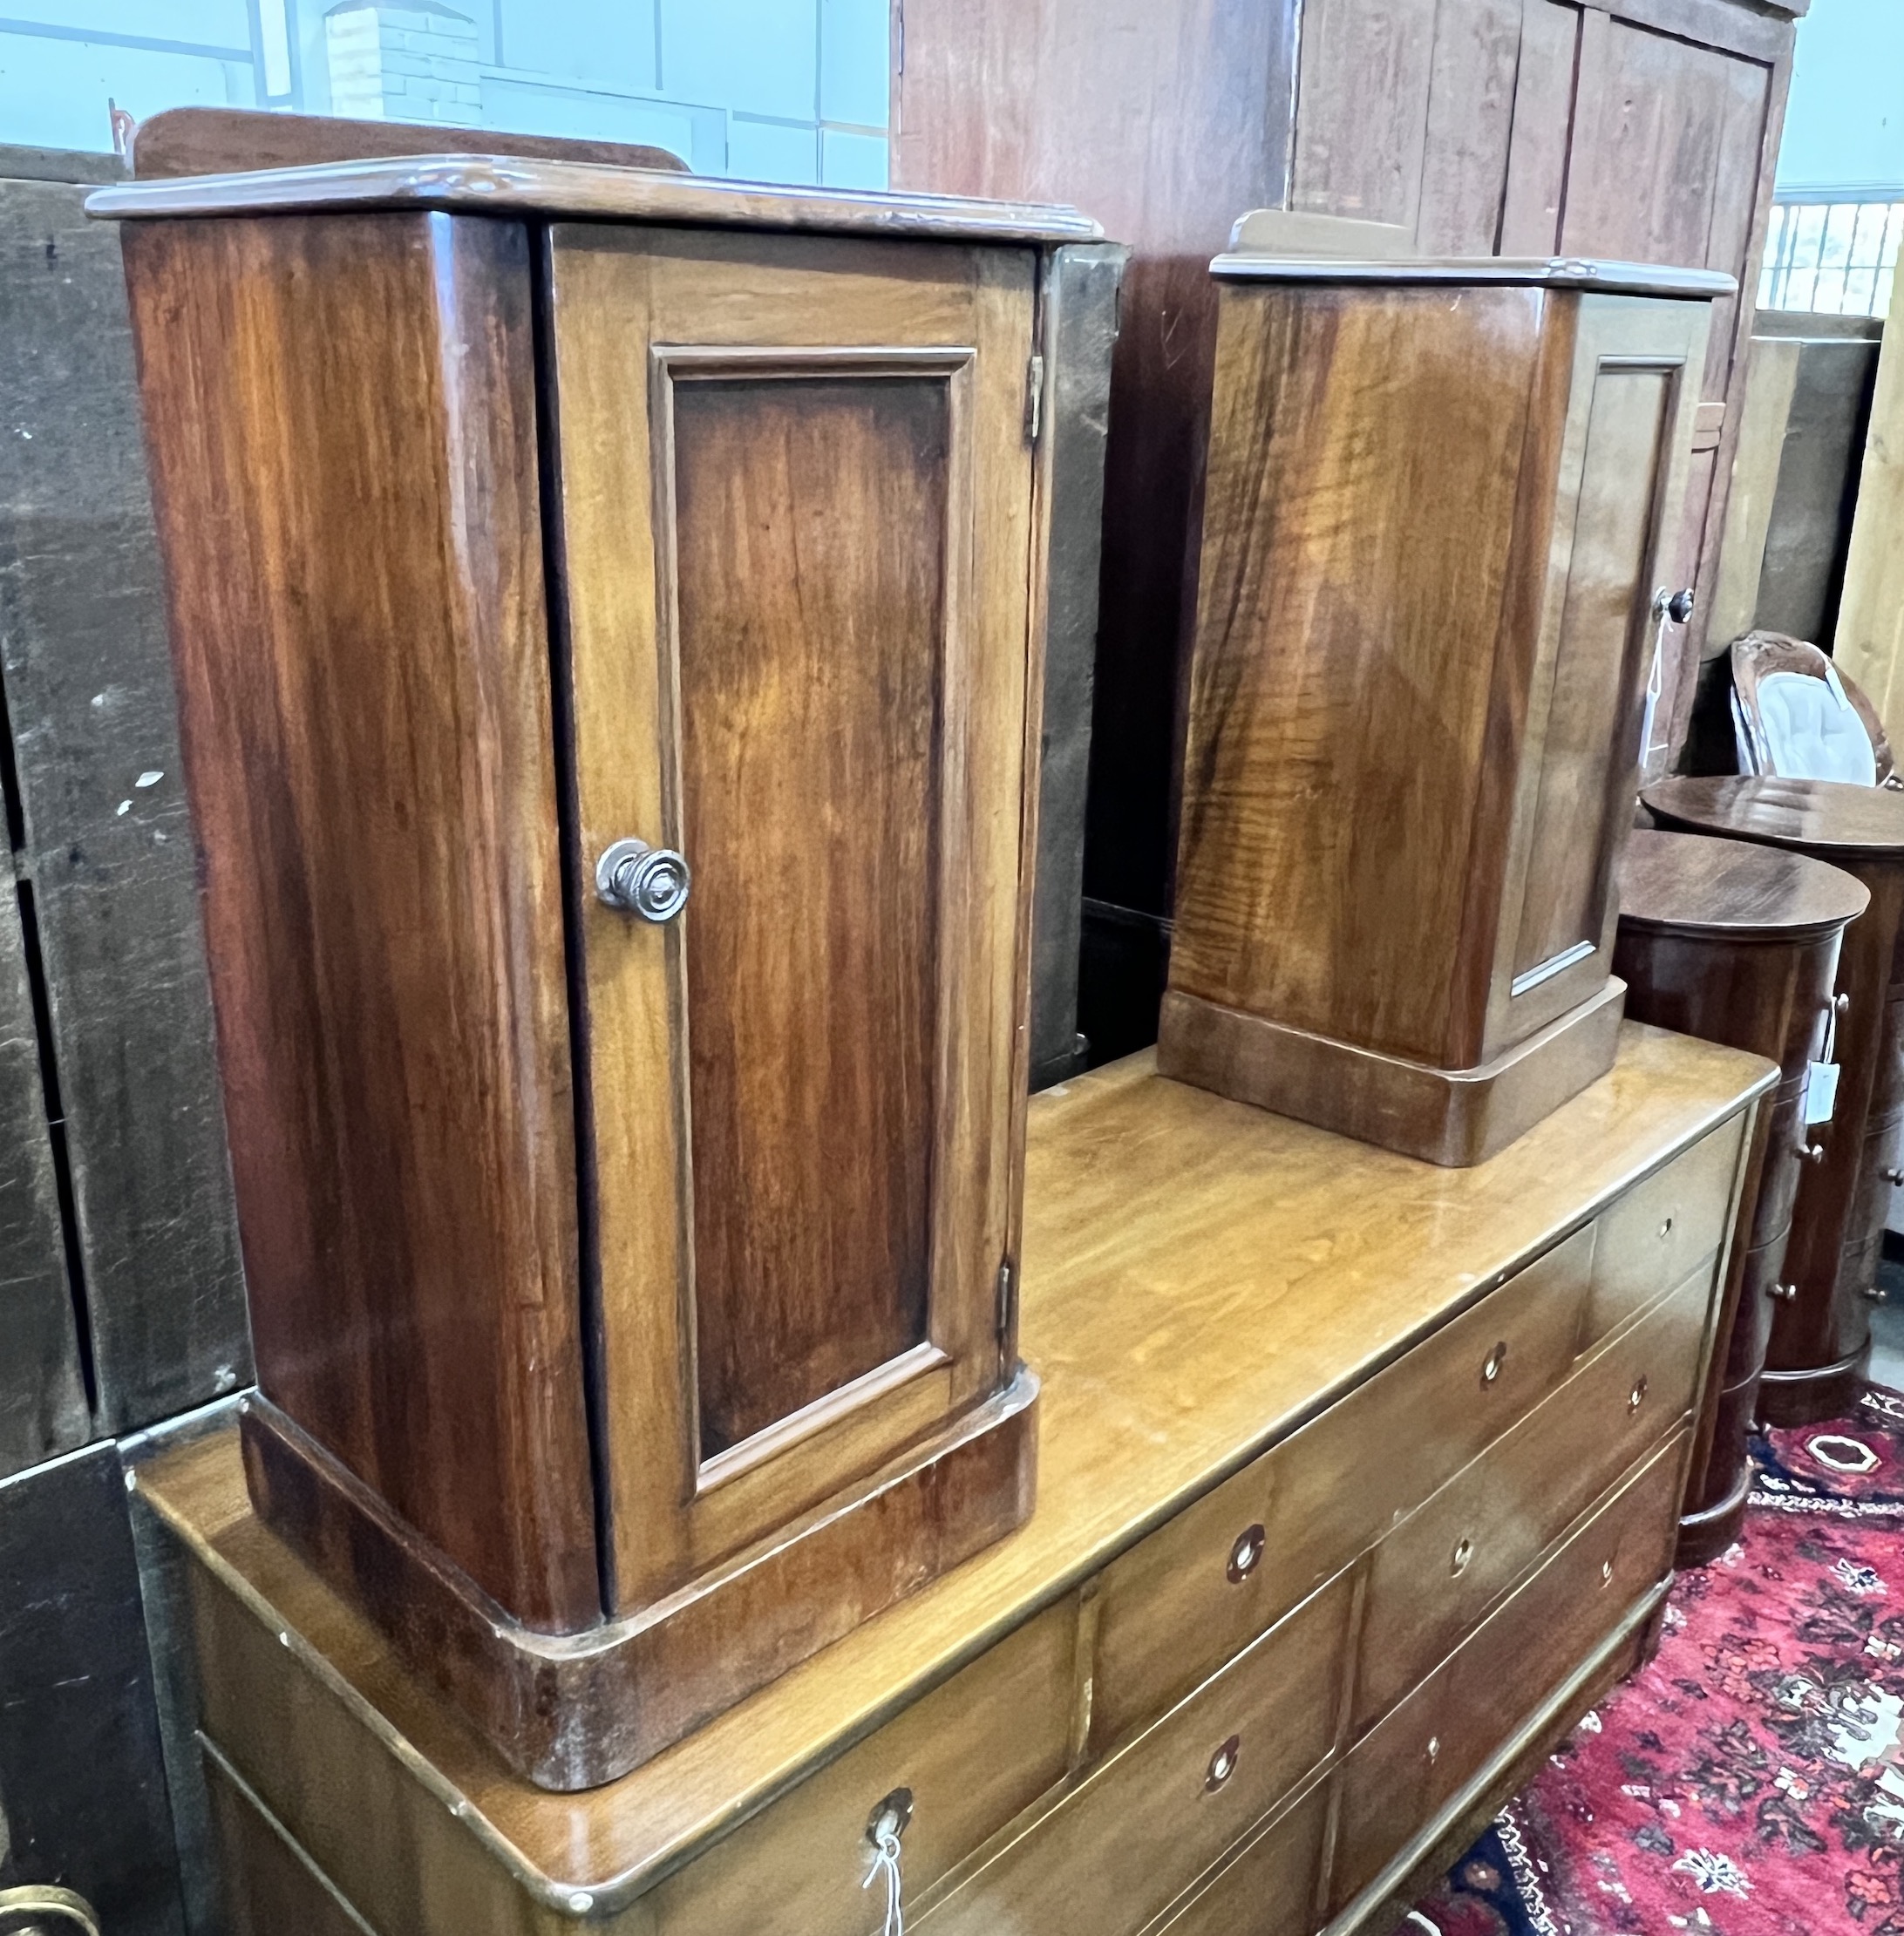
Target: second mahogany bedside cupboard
[(604, 606), (1439, 542)]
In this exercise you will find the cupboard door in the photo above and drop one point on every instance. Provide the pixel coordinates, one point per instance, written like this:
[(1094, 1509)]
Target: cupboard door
[(1621, 486), (795, 494)]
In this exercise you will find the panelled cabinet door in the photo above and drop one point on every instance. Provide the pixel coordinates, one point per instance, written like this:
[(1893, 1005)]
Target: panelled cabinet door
[(1620, 489), (795, 494)]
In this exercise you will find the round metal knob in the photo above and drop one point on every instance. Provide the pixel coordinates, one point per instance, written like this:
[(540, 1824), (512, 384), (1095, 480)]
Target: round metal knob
[(1496, 1359), (1892, 1175), (1875, 1294), (1457, 1561), (1605, 1573), (890, 1816), (1223, 1762), (1244, 1555), (1786, 1293), (1813, 1153), (1636, 1398), (650, 882), (1679, 606), (1841, 1005)]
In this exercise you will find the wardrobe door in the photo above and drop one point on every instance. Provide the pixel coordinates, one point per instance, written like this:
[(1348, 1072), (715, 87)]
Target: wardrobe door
[(795, 494)]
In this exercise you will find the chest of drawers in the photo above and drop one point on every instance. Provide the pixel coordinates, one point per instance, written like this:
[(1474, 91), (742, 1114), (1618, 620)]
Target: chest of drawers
[(606, 607), (1359, 1479)]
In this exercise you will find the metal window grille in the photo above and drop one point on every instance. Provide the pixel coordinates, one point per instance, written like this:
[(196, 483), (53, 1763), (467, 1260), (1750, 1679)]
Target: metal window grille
[(1833, 258)]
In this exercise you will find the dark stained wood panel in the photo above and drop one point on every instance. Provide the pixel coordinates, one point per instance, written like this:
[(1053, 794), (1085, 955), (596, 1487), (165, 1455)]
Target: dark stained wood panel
[(811, 531), (1598, 667), (341, 416), (1340, 709), (108, 854)]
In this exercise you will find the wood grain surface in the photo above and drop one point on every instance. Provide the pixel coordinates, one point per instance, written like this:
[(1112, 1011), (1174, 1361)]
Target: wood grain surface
[(813, 583), (1346, 1255), (1707, 889), (222, 141), (340, 418)]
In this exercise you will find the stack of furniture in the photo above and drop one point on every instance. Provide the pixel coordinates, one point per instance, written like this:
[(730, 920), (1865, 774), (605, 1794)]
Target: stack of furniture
[(1740, 944), (1821, 1331)]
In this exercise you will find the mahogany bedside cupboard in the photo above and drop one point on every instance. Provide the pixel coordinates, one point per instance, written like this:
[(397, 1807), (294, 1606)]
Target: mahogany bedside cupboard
[(1246, 1672), (1821, 1331), (1738, 944), (1443, 506), (602, 603)]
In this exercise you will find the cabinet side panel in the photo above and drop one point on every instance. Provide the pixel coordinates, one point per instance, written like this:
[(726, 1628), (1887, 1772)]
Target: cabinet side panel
[(340, 412), (1590, 752), (810, 539), (1366, 457)]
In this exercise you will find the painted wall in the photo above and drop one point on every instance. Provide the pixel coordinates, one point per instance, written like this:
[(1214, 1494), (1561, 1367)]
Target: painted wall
[(791, 91), (1845, 124)]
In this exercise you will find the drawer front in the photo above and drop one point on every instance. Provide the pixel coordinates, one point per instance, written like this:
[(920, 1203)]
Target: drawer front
[(1180, 1603), (1398, 1779), (1269, 1888), (1142, 1827), (1440, 1570), (1653, 1235), (974, 1753)]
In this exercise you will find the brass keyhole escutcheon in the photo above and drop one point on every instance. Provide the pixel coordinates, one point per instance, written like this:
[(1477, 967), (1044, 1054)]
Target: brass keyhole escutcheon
[(1222, 1765), (1636, 1398), (1244, 1555), (1496, 1360), (1463, 1553)]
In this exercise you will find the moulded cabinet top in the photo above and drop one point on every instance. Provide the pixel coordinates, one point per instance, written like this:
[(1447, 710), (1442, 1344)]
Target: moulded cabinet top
[(1827, 817), (1263, 250), (495, 184), (1707, 889)]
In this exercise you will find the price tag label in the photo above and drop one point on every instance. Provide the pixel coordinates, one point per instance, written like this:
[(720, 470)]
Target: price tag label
[(1820, 1093)]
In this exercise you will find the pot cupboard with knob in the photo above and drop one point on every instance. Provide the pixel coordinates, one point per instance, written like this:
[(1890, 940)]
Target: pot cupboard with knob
[(1245, 1668), (603, 603), (1821, 1326), (1443, 497)]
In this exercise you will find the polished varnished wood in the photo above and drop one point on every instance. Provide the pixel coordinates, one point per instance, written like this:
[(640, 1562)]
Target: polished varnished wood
[(224, 140), (362, 665), (1738, 943), (636, 1306), (1820, 1333), (1355, 1260), (1635, 130), (1415, 714), (504, 185)]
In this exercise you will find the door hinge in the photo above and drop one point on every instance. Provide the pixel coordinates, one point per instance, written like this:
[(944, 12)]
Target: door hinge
[(1034, 399), (1002, 1314)]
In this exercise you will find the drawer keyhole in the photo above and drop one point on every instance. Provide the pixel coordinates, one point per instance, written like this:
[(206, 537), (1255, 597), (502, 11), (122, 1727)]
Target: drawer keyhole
[(1222, 1765), (1244, 1555), (1666, 1230), (1458, 1560), (1496, 1359), (1636, 1398)]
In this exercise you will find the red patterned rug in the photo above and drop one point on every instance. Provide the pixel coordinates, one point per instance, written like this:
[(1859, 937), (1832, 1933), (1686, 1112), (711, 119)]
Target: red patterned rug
[(1751, 1781)]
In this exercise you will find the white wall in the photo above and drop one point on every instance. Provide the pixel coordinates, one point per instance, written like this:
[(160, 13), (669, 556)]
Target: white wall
[(776, 90), (1844, 123)]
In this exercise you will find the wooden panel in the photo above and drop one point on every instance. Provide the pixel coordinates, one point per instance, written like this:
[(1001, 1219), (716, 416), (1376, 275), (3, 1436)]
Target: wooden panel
[(1216, 1575), (1409, 1768), (1598, 669), (1362, 112), (1336, 626), (1766, 407), (109, 857), (850, 788), (342, 422), (973, 1754), (270, 1885), (1271, 1884), (1659, 1230), (1536, 185), (1144, 1826), (82, 1784), (1473, 112), (1438, 1573), (810, 533)]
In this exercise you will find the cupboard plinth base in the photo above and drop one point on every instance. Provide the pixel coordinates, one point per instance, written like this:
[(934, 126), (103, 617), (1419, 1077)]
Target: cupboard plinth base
[(1809, 1393), (1452, 1117), (572, 1711), (1704, 1535)]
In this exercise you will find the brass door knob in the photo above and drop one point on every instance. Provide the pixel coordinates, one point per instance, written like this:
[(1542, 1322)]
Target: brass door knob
[(1892, 1175), (39, 1910), (650, 882), (1813, 1153), (1786, 1293)]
